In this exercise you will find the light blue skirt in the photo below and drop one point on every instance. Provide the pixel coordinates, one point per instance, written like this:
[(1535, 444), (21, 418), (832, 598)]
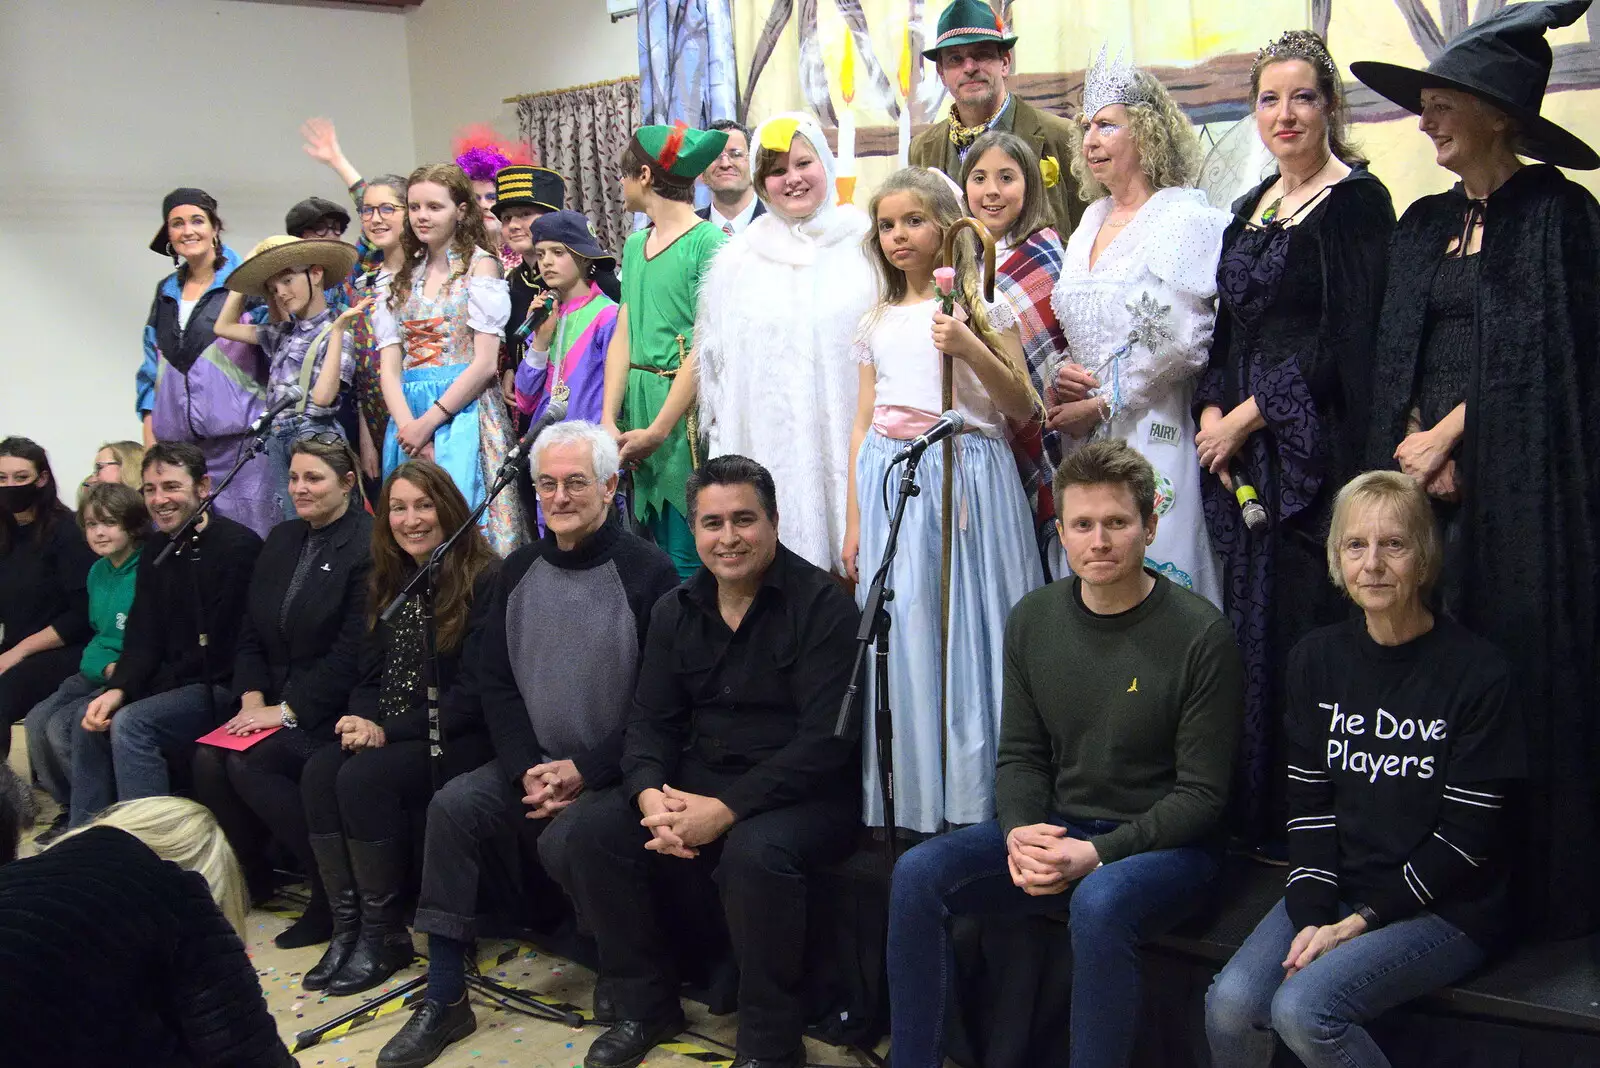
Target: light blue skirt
[(944, 772), (456, 444)]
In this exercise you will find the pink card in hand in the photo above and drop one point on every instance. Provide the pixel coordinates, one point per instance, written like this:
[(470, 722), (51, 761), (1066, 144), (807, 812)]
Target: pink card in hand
[(237, 742)]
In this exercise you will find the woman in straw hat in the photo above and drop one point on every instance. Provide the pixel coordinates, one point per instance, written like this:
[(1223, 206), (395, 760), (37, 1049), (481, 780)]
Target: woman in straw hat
[(1485, 392), (290, 273)]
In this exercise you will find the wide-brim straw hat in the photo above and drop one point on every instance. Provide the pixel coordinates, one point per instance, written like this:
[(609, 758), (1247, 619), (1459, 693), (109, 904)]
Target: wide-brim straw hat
[(282, 253)]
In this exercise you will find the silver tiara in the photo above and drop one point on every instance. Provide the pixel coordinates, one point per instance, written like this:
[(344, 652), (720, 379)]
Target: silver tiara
[(1112, 82)]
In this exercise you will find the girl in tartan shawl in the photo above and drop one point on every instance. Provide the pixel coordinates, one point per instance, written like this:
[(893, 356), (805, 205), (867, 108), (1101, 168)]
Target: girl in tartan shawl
[(1005, 190)]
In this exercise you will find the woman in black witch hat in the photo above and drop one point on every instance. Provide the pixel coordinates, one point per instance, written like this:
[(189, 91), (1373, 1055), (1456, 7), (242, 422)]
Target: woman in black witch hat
[(1486, 390)]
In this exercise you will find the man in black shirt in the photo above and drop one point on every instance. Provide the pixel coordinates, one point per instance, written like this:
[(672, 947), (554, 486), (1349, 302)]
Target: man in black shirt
[(731, 759), (171, 684)]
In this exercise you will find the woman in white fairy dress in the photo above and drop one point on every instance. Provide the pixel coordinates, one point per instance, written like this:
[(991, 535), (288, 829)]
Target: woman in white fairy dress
[(1137, 301)]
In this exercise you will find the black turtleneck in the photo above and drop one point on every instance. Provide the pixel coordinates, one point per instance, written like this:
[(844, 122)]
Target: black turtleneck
[(561, 648)]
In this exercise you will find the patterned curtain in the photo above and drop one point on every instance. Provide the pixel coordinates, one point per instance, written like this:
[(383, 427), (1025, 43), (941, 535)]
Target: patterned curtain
[(579, 133), (687, 65)]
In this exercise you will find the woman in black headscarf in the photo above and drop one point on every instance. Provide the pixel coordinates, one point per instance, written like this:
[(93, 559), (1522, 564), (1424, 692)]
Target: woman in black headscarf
[(1486, 390)]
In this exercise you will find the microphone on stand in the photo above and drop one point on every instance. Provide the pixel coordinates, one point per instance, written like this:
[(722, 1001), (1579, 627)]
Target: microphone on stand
[(1250, 508), (264, 421), (554, 412), (951, 422)]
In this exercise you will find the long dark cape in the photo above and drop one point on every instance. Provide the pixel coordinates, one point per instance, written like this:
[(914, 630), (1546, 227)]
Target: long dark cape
[(1530, 467)]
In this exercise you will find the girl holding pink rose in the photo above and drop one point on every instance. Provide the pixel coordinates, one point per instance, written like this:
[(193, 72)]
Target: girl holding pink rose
[(946, 723)]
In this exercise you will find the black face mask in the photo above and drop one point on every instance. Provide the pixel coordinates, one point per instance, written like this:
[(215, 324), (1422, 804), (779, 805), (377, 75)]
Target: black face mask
[(18, 499)]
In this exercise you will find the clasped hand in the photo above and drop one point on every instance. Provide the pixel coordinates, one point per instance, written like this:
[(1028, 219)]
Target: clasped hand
[(680, 822), (548, 788), (357, 733), (1312, 942), (1043, 859)]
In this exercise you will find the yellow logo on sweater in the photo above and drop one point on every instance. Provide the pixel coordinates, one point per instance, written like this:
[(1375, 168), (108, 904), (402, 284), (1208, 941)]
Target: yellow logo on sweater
[(1133, 687)]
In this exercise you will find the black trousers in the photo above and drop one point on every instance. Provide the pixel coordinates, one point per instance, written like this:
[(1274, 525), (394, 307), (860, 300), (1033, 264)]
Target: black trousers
[(372, 795), (31, 681), (472, 816), (760, 868), (256, 792)]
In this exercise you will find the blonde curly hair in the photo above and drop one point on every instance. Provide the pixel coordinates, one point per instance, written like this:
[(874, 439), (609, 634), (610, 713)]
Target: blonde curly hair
[(1169, 149)]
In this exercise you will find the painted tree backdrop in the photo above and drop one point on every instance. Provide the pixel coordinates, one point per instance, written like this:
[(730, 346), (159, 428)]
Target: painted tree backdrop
[(790, 54)]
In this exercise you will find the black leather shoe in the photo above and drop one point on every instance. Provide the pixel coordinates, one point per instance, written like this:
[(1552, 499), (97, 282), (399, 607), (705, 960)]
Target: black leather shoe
[(797, 1059), (333, 865), (630, 1041), (432, 1027)]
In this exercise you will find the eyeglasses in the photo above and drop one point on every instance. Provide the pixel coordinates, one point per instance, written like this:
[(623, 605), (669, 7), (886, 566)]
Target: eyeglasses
[(101, 465), (732, 154), (383, 211), (327, 229), (575, 485), (320, 437)]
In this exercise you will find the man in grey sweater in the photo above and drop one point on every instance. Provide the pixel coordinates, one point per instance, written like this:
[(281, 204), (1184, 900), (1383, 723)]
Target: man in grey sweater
[(1122, 705), (559, 654)]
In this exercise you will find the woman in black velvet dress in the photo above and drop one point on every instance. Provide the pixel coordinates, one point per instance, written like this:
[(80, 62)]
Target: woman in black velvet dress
[(1486, 390), (1300, 283)]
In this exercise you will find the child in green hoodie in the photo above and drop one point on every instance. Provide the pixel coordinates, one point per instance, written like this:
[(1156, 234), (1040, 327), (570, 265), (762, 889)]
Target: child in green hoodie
[(115, 524)]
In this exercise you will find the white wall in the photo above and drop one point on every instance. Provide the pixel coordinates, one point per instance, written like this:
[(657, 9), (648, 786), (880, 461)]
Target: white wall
[(105, 105), (469, 55)]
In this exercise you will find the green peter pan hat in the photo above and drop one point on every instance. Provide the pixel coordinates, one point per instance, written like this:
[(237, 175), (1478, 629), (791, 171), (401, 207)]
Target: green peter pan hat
[(681, 152), (967, 22)]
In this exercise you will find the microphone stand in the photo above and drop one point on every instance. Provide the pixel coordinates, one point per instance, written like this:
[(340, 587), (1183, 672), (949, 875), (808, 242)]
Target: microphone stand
[(424, 584), (188, 537), (873, 631)]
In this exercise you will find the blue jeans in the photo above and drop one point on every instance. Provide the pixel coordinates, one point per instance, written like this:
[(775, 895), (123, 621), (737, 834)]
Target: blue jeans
[(1319, 1012), (286, 431), (129, 760), (49, 727), (1111, 909)]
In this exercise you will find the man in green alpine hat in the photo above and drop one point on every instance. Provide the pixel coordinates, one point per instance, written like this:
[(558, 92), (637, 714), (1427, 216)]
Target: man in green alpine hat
[(650, 380), (974, 57)]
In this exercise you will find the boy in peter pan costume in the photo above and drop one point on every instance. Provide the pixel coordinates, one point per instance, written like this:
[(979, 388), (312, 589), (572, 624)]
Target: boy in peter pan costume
[(650, 380)]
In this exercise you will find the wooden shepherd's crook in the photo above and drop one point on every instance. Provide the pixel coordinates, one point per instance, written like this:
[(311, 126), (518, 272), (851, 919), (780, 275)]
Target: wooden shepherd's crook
[(947, 503)]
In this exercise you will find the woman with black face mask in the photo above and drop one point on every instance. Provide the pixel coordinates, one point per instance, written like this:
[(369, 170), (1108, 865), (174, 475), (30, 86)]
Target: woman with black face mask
[(44, 601)]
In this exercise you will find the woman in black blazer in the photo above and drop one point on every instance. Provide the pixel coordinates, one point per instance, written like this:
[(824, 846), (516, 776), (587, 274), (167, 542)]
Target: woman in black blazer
[(297, 662)]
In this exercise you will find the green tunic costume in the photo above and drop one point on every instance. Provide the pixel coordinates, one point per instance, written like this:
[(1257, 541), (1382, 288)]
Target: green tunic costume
[(661, 293)]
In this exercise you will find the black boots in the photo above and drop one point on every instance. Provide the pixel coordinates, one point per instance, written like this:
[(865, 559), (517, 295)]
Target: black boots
[(432, 1027), (333, 864), (384, 946)]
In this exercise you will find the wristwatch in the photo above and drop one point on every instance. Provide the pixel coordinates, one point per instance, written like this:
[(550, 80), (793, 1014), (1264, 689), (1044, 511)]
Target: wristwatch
[(1366, 913), (288, 716)]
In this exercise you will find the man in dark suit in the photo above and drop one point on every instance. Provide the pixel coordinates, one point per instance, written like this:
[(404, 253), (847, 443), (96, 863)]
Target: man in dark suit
[(734, 204), (974, 57)]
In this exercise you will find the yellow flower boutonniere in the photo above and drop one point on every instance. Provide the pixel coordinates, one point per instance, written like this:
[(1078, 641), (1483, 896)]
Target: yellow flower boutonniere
[(1050, 171)]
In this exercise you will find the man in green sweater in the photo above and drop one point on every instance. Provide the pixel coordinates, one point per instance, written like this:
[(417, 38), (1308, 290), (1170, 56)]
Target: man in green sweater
[(1123, 699)]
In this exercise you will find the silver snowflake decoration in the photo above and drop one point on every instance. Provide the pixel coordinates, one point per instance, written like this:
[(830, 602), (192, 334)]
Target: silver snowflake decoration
[(1147, 324)]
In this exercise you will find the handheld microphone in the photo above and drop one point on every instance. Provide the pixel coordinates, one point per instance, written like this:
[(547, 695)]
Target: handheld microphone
[(950, 423), (554, 412), (263, 421), (1250, 508)]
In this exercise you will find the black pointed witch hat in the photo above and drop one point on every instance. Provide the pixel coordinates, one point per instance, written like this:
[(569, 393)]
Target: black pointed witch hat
[(1505, 61)]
